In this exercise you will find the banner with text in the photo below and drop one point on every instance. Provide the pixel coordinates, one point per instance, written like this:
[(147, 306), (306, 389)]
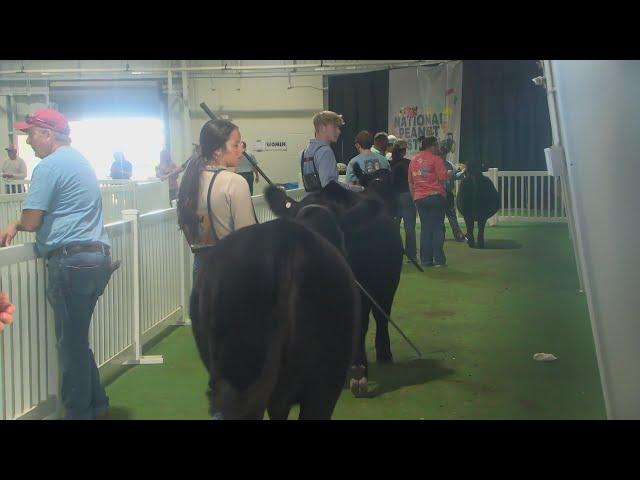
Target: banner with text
[(426, 101)]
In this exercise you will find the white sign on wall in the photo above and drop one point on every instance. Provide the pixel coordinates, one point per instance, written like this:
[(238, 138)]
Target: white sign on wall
[(275, 145), (266, 145)]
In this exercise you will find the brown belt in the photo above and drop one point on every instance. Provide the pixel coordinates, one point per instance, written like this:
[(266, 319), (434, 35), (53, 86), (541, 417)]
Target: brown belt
[(94, 247)]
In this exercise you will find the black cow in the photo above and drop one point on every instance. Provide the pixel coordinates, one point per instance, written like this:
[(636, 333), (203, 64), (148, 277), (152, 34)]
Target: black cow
[(478, 200), (275, 316), (373, 249)]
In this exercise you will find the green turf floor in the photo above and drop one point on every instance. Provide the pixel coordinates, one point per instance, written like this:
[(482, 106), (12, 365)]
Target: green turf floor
[(478, 323)]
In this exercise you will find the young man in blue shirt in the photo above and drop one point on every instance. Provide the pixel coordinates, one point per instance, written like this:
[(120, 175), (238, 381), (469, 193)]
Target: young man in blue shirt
[(64, 207), (368, 160), (318, 163)]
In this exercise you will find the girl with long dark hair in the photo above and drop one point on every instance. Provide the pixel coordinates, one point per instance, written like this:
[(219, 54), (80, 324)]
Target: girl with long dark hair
[(214, 201)]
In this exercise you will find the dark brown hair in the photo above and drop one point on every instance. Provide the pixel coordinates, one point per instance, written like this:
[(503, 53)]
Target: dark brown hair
[(213, 136), (364, 139)]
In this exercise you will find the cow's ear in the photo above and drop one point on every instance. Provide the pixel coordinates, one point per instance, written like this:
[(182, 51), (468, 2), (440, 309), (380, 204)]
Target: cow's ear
[(279, 202)]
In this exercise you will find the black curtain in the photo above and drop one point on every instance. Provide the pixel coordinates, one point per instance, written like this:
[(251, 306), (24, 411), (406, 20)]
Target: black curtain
[(505, 118), (363, 100)]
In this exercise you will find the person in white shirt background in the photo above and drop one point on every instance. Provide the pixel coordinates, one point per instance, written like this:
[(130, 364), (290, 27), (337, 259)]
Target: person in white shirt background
[(14, 168)]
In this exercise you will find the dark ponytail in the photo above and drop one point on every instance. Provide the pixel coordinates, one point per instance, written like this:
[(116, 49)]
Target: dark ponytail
[(213, 136)]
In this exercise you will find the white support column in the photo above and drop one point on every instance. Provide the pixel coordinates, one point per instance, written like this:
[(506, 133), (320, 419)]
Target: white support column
[(186, 118), (139, 359), (493, 175)]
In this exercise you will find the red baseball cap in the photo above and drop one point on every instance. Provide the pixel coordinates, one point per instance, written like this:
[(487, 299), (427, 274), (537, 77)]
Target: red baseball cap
[(45, 118)]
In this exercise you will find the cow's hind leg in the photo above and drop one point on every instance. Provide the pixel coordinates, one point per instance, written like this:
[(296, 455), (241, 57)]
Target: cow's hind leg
[(257, 414), (319, 402), (468, 221), (359, 370), (281, 400), (383, 344), (481, 224)]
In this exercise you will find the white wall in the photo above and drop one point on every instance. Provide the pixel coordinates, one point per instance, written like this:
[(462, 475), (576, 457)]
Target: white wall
[(599, 114), (265, 109)]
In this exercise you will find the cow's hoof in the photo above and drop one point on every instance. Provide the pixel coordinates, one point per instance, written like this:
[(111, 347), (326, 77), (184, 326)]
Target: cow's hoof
[(364, 385), (354, 386), (356, 371)]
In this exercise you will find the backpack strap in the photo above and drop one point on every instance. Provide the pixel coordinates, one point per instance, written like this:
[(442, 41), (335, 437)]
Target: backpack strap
[(213, 228)]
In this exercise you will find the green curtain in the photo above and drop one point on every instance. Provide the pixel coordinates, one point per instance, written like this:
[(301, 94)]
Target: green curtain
[(363, 100), (505, 118)]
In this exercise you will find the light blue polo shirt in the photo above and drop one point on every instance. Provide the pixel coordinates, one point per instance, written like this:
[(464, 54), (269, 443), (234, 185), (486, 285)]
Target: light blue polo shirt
[(65, 186)]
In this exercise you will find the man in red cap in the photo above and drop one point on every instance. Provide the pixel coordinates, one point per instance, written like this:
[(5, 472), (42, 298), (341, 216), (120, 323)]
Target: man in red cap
[(13, 169), (64, 207)]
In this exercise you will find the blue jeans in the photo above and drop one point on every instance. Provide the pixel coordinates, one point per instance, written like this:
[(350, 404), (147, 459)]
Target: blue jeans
[(431, 210), (75, 282), (407, 213), (198, 259)]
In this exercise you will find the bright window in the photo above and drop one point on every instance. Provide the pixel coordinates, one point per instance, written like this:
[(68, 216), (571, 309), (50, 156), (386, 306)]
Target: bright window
[(140, 139)]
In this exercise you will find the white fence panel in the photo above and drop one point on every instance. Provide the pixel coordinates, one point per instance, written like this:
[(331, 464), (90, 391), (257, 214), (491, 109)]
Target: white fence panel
[(111, 327), (151, 196), (28, 367), (530, 196), (116, 198), (14, 186), (160, 270), (117, 195), (28, 358)]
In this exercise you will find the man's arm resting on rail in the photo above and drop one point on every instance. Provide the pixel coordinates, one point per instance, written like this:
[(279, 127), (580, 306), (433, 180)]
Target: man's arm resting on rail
[(30, 221)]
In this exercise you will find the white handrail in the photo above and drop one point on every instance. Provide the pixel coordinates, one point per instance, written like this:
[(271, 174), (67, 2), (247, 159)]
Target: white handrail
[(28, 361)]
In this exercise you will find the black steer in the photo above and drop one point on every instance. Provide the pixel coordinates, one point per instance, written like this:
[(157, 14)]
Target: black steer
[(373, 249), (275, 316), (478, 200)]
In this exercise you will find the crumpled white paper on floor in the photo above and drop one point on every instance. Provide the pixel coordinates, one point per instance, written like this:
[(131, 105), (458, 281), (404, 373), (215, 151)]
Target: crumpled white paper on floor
[(544, 357)]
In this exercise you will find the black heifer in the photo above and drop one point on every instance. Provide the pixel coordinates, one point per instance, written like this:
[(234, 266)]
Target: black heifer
[(275, 317), (477, 201), (374, 251)]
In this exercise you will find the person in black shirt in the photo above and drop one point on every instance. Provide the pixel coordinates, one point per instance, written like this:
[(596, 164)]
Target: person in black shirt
[(406, 208)]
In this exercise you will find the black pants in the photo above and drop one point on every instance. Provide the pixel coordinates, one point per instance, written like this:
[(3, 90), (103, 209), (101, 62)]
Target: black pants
[(406, 212), (248, 176)]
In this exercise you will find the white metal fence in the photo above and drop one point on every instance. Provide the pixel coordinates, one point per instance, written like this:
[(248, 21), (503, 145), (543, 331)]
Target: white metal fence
[(131, 311), (117, 195), (529, 196)]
